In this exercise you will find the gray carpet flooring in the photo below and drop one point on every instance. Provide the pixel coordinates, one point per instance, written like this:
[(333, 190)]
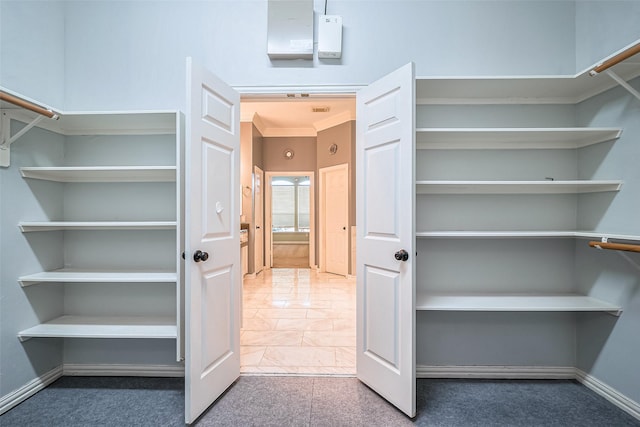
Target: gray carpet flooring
[(315, 401)]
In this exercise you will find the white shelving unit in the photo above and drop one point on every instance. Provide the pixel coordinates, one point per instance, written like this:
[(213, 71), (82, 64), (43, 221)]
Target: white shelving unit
[(102, 174), (513, 303), (103, 327), (516, 187), (511, 138), (519, 89), (27, 227), (91, 276), (452, 147), (119, 173)]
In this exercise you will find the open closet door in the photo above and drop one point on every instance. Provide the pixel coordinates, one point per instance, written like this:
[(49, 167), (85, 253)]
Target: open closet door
[(213, 270), (385, 182)]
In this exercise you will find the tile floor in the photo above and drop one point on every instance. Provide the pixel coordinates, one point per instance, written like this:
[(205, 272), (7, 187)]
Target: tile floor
[(298, 321)]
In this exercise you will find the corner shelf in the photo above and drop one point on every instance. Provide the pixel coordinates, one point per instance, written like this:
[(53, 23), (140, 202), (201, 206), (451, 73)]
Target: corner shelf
[(103, 327), (514, 303), (523, 234), (512, 138), (548, 89), (102, 173), (498, 234), (27, 227), (94, 276), (516, 187)]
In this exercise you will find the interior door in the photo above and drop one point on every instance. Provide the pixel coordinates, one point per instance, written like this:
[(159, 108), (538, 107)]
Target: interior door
[(385, 143), (212, 247), (258, 211), (335, 212)]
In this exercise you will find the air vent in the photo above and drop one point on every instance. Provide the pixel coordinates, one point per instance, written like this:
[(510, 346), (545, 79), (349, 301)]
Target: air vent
[(320, 109)]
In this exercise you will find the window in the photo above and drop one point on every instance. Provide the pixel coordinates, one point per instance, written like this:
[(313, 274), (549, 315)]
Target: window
[(290, 204)]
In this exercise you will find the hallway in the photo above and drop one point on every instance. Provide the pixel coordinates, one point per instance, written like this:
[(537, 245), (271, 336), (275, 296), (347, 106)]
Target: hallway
[(298, 321)]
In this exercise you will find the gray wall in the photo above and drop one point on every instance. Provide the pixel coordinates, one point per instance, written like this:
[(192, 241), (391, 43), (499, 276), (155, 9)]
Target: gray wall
[(304, 158), (608, 346), (142, 64), (603, 27), (23, 254), (32, 46)]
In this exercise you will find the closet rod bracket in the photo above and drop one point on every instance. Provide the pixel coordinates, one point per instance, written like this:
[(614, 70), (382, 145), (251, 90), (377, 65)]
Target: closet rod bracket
[(6, 139), (618, 250), (623, 83)]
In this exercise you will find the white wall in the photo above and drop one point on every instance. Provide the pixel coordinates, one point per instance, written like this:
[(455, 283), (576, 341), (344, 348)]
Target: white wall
[(132, 54), (604, 27), (608, 347), (20, 308), (32, 49), (31, 63)]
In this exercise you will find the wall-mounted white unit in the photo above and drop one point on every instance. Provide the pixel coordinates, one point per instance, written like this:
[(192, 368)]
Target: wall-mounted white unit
[(330, 37), (290, 29)]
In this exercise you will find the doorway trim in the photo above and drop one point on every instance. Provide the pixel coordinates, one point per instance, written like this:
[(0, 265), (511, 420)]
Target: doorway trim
[(268, 243)]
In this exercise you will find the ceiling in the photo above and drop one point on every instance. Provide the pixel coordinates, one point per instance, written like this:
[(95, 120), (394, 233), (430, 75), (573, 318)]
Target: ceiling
[(295, 116)]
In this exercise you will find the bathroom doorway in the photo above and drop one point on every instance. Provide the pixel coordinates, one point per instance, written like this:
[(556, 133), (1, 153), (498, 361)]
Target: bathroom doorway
[(297, 319), (290, 221)]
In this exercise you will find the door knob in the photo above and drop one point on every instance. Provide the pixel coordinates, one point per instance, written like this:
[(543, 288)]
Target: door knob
[(402, 255), (200, 256)]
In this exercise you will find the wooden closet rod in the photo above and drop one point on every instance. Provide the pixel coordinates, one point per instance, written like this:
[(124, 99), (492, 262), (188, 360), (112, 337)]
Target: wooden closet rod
[(615, 246), (627, 53), (27, 105)]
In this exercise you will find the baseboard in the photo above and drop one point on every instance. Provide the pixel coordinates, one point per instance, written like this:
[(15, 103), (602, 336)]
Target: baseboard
[(618, 399), (496, 372), (108, 370), (29, 389)]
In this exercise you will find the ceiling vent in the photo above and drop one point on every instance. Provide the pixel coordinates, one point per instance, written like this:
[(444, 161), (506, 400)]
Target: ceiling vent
[(320, 109)]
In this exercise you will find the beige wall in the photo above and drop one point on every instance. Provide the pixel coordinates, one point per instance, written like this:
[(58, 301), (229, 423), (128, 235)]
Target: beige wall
[(304, 158), (310, 154), (251, 153)]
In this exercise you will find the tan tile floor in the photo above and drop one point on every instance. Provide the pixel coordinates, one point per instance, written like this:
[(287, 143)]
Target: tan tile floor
[(298, 321)]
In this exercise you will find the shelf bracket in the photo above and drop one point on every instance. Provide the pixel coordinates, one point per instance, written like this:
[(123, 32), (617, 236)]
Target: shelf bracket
[(623, 83), (6, 139), (622, 254)]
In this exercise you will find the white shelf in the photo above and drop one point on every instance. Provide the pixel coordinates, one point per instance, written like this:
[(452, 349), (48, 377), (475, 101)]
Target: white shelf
[(102, 173), (103, 327), (514, 303), (512, 138), (26, 227), (93, 276), (515, 187), (501, 234), (496, 234), (563, 89)]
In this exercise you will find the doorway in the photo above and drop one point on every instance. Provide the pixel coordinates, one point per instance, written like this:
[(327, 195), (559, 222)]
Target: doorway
[(290, 219), (296, 318)]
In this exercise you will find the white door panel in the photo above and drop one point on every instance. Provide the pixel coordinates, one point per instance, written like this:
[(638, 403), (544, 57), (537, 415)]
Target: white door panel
[(258, 208), (385, 180), (334, 207), (212, 247)]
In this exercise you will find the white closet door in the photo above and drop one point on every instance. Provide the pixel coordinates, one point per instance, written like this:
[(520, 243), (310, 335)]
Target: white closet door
[(334, 209), (385, 349), (213, 270)]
